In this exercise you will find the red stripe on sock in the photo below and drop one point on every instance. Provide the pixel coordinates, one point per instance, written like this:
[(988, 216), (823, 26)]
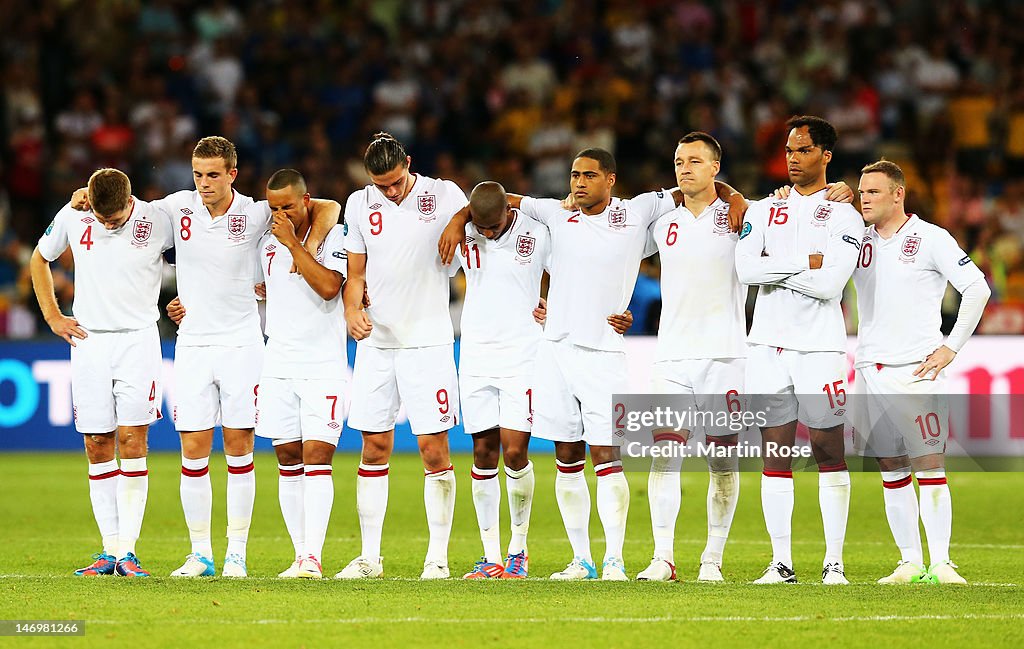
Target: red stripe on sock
[(931, 482), (195, 473), (104, 476), (291, 473), (777, 474), (478, 476), (135, 474), (896, 484), (608, 471), (372, 473), (669, 437), (832, 468), (316, 472), (236, 470), (450, 468), (575, 468)]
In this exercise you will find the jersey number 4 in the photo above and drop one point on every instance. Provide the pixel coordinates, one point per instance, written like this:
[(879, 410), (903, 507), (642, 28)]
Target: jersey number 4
[(86, 239)]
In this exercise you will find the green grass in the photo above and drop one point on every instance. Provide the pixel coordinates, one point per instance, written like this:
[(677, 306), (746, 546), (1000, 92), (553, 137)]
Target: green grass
[(48, 531)]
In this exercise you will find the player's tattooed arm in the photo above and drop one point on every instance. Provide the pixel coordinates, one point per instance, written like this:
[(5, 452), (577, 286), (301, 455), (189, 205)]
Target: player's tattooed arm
[(737, 204), (621, 322), (42, 282), (176, 310), (353, 295)]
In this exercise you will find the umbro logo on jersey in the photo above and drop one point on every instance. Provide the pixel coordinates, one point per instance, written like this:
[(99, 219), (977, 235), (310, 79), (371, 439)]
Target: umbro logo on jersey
[(270, 247), (186, 211), (617, 218), (88, 219), (375, 206)]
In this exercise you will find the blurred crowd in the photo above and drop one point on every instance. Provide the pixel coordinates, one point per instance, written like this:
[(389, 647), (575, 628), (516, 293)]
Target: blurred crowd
[(509, 90)]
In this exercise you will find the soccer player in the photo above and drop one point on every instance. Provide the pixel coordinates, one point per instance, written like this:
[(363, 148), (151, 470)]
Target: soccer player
[(405, 349), (219, 350), (901, 276), (115, 350), (596, 250), (701, 346), (800, 251), (504, 261), (302, 390)]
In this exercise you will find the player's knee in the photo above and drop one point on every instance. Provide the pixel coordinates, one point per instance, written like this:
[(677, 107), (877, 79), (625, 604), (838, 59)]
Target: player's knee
[(516, 457), (289, 454), (603, 454), (570, 452), (100, 448), (132, 442)]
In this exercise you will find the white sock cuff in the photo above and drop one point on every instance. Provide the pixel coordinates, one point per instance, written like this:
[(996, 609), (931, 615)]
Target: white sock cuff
[(373, 470), (930, 474), (133, 465), (776, 484), (315, 470), (239, 460), (570, 467), (483, 474), (608, 468), (895, 476), (834, 479), (515, 475), (291, 470), (439, 474), (197, 464), (106, 469)]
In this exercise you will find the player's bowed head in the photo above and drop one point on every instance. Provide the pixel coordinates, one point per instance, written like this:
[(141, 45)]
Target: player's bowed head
[(489, 209)]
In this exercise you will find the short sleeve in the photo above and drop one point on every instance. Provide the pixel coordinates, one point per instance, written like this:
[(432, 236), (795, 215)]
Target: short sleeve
[(55, 238), (652, 205), (353, 235), (334, 250), (261, 214), (456, 196), (540, 209)]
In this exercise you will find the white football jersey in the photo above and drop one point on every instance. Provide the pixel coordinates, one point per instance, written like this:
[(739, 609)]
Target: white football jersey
[(499, 334), (798, 308), (702, 300), (216, 265), (117, 272), (305, 333), (900, 283), (406, 282), (594, 263)]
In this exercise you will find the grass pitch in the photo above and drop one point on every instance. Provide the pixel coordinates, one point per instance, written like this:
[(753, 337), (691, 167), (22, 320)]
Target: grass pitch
[(48, 531)]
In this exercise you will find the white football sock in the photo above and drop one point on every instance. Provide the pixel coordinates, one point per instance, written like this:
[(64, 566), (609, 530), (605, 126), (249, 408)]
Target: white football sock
[(612, 506), (197, 503), (901, 511), (317, 501), (487, 501), (291, 496), (520, 486), (723, 494), (573, 498), (777, 505), (664, 495), (132, 492), (371, 505), (241, 496), (936, 512), (103, 495), (439, 501), (834, 501)]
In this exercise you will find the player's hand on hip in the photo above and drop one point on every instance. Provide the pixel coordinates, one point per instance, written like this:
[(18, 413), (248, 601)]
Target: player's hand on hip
[(176, 311), (67, 328), (80, 199), (621, 322), (814, 260), (359, 325), (540, 312), (782, 193), (935, 363), (839, 192), (261, 290), (366, 298), (453, 237)]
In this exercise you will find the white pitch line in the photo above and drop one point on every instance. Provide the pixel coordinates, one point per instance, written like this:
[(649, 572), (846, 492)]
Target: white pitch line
[(593, 619)]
